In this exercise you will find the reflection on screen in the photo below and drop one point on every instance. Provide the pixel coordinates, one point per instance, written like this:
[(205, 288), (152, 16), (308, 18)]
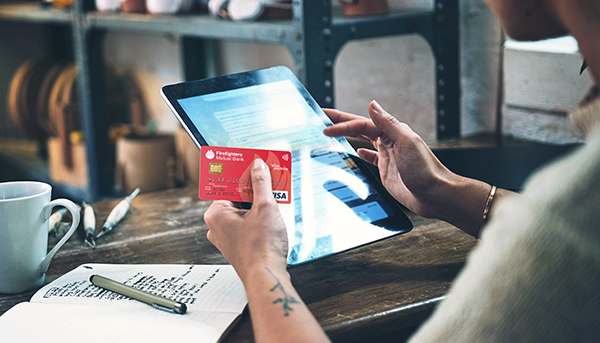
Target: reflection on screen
[(270, 116), (332, 207)]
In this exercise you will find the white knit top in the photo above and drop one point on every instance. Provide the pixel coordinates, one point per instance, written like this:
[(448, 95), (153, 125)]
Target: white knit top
[(535, 275)]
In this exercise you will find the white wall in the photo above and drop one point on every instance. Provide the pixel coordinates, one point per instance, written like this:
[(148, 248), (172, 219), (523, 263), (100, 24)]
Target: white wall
[(542, 85), (397, 72)]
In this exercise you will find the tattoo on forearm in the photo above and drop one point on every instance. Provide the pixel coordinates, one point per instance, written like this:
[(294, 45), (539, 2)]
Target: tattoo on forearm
[(286, 300)]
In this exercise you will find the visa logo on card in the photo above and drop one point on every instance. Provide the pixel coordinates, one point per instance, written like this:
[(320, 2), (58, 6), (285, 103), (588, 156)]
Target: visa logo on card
[(225, 173)]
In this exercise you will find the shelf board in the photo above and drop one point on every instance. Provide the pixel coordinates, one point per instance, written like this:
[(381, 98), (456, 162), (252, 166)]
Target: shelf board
[(205, 26), (393, 16), (197, 25), (395, 23), (35, 13)]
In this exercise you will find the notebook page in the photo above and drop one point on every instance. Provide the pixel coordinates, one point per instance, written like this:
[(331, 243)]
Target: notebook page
[(200, 287), (50, 323)]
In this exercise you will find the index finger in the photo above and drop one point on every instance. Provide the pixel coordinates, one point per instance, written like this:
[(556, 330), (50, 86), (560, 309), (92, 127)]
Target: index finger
[(351, 125), (218, 209), (364, 129), (338, 116)]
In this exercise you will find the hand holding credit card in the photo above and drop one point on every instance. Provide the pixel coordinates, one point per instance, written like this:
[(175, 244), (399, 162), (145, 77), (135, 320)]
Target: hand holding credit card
[(225, 173)]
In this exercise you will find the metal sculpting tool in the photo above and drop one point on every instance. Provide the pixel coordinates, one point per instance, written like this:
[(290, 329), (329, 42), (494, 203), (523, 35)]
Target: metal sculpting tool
[(117, 213), (89, 224), (55, 223), (55, 219)]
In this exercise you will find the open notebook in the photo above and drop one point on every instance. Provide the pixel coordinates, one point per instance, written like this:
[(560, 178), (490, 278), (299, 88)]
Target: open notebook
[(71, 309)]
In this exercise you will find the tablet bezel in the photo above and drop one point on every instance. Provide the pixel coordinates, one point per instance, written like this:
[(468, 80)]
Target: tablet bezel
[(397, 223)]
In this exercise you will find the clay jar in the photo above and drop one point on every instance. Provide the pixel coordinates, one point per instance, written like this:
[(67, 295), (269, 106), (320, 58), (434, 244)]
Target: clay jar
[(146, 162), (133, 6), (356, 8)]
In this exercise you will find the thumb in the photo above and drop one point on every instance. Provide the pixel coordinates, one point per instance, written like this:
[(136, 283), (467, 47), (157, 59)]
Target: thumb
[(386, 122), (261, 182)]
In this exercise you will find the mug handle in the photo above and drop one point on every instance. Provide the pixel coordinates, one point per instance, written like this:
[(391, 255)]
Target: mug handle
[(74, 224)]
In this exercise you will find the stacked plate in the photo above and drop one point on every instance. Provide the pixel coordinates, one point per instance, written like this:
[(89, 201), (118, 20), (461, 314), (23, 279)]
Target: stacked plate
[(38, 89), (43, 98), (43, 105)]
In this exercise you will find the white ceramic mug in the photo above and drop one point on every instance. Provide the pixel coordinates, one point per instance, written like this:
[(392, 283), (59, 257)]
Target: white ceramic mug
[(24, 211), (108, 5), (164, 6)]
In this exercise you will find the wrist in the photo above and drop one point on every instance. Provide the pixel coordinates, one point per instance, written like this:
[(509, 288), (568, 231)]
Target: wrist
[(488, 205), (258, 270), (448, 189), (461, 202)]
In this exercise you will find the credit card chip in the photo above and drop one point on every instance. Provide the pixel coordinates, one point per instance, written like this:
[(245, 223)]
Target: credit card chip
[(215, 168)]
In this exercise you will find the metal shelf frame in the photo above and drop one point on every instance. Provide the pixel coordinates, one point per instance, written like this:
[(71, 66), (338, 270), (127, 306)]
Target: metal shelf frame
[(314, 38)]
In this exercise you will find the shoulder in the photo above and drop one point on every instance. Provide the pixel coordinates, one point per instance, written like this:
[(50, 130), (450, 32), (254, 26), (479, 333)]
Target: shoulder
[(536, 272), (560, 203), (568, 189)]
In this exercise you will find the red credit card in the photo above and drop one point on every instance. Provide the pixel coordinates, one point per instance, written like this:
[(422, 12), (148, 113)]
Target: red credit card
[(225, 173)]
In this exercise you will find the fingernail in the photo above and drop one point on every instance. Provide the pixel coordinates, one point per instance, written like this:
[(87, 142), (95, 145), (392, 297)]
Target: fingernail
[(258, 163), (375, 105)]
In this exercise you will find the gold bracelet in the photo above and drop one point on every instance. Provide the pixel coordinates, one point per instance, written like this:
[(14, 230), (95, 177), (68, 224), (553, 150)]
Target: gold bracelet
[(488, 204)]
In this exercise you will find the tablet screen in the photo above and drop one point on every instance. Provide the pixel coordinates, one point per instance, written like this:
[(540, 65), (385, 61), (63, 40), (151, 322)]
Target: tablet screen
[(336, 205)]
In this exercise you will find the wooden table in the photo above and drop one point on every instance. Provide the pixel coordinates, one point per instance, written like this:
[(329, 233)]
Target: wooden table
[(377, 292)]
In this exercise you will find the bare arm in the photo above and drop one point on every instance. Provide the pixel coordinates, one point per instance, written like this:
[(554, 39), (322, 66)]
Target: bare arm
[(411, 172), (255, 243), (278, 313)]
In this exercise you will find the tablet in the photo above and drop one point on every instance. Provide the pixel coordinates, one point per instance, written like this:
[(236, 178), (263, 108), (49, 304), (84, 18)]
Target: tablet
[(337, 202)]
